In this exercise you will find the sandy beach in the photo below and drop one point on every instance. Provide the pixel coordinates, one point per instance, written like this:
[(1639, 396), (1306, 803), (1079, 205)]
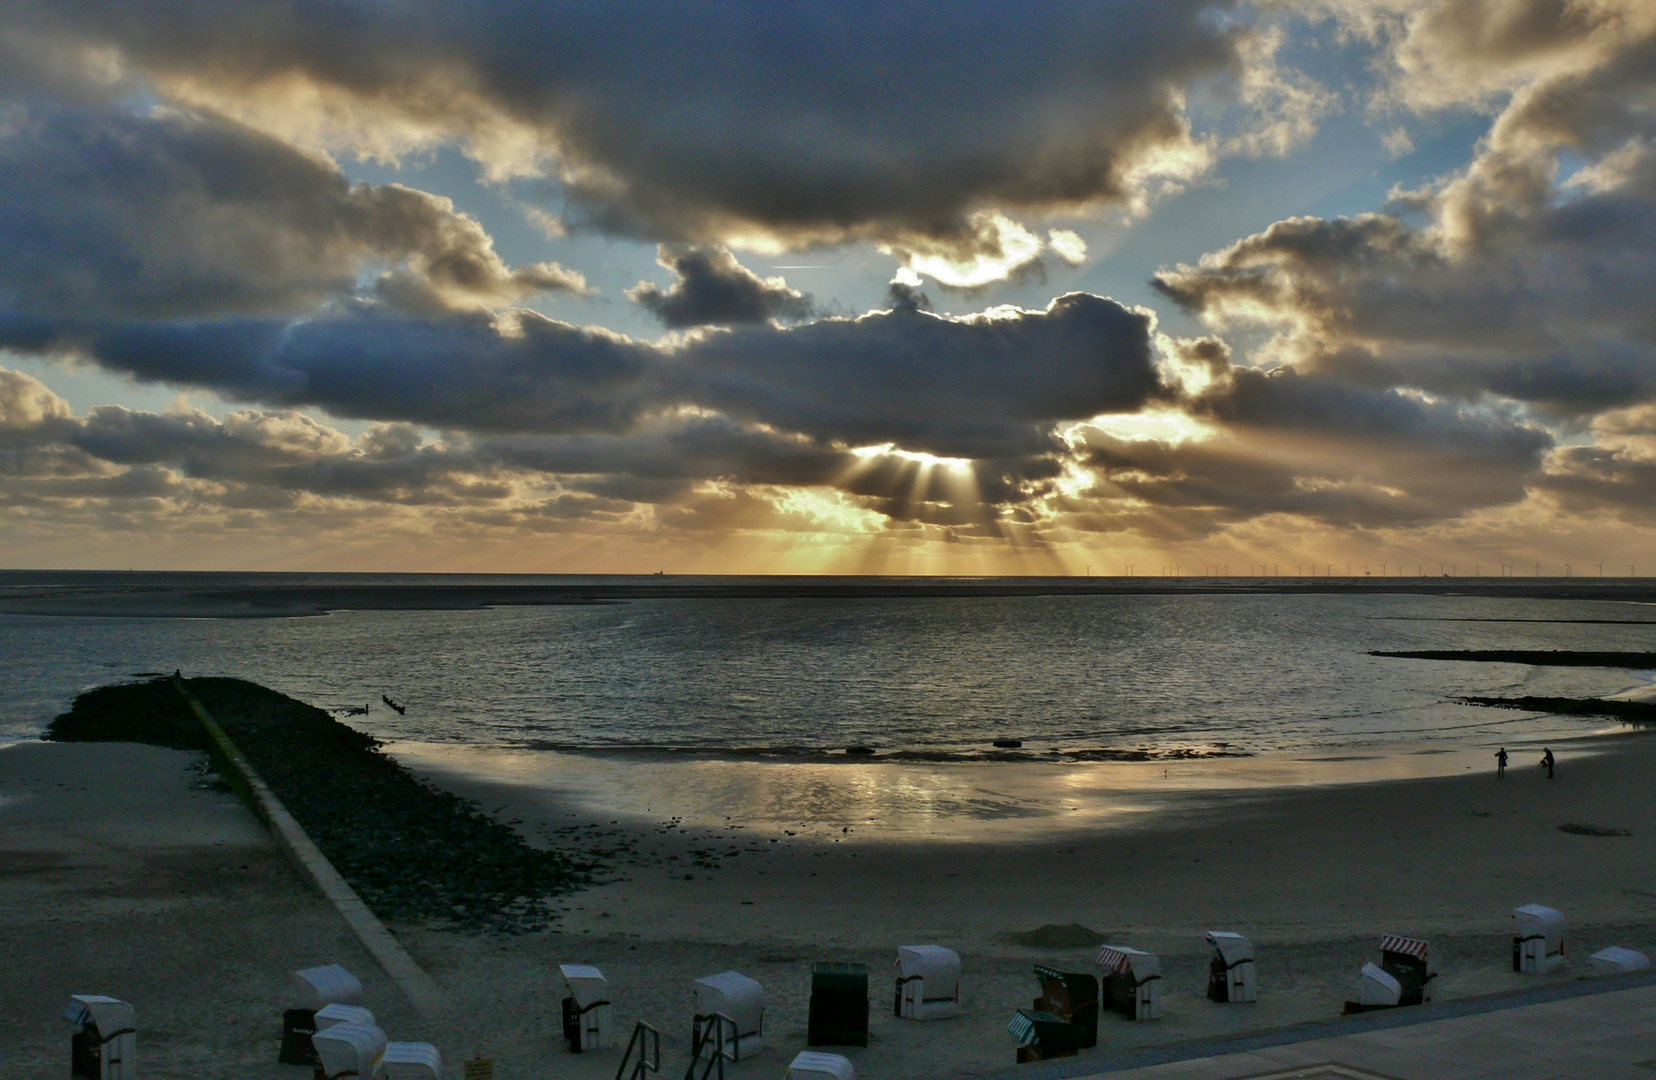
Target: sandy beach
[(126, 875)]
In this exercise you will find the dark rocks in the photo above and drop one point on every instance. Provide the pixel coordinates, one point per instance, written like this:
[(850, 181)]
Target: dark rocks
[(413, 852)]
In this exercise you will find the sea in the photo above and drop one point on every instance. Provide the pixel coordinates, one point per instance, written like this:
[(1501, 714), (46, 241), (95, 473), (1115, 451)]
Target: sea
[(622, 692)]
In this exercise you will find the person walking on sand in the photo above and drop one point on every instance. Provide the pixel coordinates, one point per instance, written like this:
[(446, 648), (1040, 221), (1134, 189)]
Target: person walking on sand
[(1500, 763), (1547, 761)]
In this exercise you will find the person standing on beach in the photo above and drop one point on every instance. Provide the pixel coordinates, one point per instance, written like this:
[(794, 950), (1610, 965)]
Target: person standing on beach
[(1547, 761), (1500, 763)]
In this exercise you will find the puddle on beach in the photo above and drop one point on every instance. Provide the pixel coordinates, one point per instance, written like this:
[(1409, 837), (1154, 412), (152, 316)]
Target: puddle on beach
[(896, 800)]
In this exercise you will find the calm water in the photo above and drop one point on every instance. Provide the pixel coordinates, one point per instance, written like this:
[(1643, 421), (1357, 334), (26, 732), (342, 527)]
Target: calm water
[(1255, 674)]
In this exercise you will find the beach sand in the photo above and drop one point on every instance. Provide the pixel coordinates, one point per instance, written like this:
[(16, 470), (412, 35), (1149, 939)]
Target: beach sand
[(1314, 873)]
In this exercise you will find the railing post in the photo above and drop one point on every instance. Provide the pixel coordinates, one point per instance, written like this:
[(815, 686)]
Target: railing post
[(641, 1041)]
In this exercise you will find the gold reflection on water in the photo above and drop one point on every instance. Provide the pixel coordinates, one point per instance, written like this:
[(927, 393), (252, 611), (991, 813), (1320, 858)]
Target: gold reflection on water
[(907, 800)]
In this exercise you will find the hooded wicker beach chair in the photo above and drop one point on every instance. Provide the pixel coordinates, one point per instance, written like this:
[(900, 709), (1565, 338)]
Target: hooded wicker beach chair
[(928, 982), (1131, 984), (1619, 961), (1071, 996), (1231, 971), (839, 1005), (815, 1065), (1537, 939), (737, 997), (349, 1050), (310, 991), (103, 1044), (1041, 1035), (330, 1015), (587, 1023), (411, 1061), (1406, 967)]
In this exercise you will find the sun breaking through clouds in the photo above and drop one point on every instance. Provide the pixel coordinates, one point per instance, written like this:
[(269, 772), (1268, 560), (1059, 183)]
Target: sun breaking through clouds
[(347, 285)]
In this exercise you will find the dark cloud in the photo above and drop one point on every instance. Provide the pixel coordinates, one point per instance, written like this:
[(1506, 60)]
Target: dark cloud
[(164, 215), (1315, 448), (186, 464), (711, 287), (696, 123), (974, 386)]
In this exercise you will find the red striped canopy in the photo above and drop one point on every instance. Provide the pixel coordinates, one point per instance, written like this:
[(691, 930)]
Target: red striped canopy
[(1408, 945)]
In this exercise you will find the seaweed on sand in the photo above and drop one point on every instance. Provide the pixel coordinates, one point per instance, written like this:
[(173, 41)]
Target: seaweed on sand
[(411, 850)]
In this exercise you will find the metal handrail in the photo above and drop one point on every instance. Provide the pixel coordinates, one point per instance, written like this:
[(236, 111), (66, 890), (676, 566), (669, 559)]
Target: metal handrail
[(644, 1038), (708, 1031)]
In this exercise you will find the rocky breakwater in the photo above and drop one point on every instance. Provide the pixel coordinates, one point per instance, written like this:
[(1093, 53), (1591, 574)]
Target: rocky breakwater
[(413, 852)]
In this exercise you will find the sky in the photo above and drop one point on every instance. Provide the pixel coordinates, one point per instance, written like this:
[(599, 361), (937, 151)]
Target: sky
[(1332, 286)]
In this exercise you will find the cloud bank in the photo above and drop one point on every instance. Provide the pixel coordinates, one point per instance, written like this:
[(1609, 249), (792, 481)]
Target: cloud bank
[(1479, 350)]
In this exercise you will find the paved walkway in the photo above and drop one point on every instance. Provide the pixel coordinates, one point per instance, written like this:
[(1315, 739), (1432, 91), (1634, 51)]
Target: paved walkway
[(1591, 1030)]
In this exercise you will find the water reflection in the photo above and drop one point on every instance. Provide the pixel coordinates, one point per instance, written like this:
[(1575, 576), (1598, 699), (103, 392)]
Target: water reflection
[(898, 801)]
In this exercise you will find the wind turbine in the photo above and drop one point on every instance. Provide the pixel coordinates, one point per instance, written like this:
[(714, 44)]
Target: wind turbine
[(1568, 572)]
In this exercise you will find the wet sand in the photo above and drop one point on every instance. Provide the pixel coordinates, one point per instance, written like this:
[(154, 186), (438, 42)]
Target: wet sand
[(1314, 873)]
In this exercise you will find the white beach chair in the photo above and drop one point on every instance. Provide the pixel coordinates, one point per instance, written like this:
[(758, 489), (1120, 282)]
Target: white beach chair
[(310, 991), (1404, 976), (1231, 972), (1376, 989), (104, 1043), (349, 1050), (329, 1015), (928, 982), (1132, 982), (742, 1000), (1618, 961), (318, 987), (586, 1009), (1409, 961), (411, 1061), (1537, 939), (811, 1065)]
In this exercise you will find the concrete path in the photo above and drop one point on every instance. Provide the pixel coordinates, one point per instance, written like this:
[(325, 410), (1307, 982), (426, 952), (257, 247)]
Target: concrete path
[(1590, 1036)]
